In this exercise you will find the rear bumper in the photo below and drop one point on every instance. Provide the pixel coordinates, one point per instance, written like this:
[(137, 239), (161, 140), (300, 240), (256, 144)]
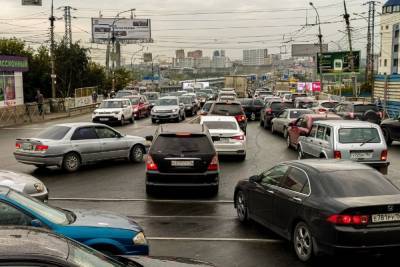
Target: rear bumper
[(230, 149), (154, 178), (381, 166), (43, 160)]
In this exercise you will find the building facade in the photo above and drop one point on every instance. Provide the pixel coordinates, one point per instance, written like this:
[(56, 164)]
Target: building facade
[(180, 53), (255, 57), (195, 54)]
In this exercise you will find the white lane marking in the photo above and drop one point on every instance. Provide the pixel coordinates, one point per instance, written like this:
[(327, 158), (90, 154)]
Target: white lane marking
[(254, 240), (141, 200)]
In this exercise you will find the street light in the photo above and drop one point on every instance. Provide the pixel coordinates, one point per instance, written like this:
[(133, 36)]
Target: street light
[(320, 44)]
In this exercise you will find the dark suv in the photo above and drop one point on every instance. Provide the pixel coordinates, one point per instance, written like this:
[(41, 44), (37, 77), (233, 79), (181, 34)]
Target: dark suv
[(252, 107), (227, 108), (271, 110), (182, 155), (359, 111)]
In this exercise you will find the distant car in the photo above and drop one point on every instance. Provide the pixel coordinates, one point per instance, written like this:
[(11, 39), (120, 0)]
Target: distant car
[(232, 140), (71, 145), (125, 93), (24, 183), (168, 108), (280, 124), (110, 233), (252, 107), (271, 98), (182, 155), (296, 95), (51, 249), (230, 108), (287, 97), (194, 99), (152, 97), (325, 106), (305, 102), (303, 125), (323, 207), (262, 94), (209, 92), (140, 106), (227, 94), (391, 130), (191, 107), (359, 111), (114, 110), (352, 140), (282, 93), (206, 108), (271, 110), (202, 98)]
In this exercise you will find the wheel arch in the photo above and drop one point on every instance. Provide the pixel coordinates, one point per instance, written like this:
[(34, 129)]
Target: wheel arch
[(106, 244), (134, 145), (75, 152)]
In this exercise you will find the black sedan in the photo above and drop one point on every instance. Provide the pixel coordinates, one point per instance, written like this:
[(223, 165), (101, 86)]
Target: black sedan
[(324, 206), (391, 130), (252, 107)]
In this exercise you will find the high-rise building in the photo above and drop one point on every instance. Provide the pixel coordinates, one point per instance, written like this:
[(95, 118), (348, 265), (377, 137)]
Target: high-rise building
[(255, 57), (180, 53), (195, 54), (202, 63)]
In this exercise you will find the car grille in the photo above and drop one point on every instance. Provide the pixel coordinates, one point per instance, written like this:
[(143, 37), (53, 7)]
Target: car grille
[(163, 111), (105, 113)]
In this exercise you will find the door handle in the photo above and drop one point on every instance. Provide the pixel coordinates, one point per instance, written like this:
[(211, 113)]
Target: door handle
[(271, 191), (297, 199)]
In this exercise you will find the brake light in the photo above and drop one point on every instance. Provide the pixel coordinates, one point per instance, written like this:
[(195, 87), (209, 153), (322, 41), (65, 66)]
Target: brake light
[(150, 165), (41, 148), (213, 166), (240, 118), (348, 219), (337, 155), (183, 134), (380, 114), (268, 110), (18, 146), (351, 115), (384, 155), (238, 137), (321, 110)]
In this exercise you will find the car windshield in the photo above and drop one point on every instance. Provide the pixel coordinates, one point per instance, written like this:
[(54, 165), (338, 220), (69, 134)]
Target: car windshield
[(176, 145), (365, 108), (53, 215), (54, 133), (281, 105), (122, 94), (134, 100), (167, 102), (294, 114), (356, 183), (225, 125), (329, 104), (207, 91), (186, 100), (359, 135), (151, 96), (227, 109), (246, 102), (111, 104)]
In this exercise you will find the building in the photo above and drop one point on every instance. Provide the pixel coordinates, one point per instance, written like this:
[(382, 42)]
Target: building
[(195, 54), (255, 57), (202, 63), (11, 80), (180, 53)]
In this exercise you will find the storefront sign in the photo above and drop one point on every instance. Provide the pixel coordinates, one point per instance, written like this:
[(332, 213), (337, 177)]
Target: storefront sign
[(13, 63)]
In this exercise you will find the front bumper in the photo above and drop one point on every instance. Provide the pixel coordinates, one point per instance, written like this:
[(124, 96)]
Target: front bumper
[(106, 119), (155, 178), (38, 159), (164, 116)]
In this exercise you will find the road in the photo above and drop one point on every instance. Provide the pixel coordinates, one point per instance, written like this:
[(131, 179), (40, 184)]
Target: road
[(177, 223)]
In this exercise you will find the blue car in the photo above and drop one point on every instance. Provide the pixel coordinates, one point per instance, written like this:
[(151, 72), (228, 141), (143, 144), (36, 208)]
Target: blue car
[(109, 233)]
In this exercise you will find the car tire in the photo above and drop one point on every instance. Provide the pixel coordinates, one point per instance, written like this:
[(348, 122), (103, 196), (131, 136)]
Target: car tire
[(300, 153), (122, 121), (151, 190), (241, 207), (303, 242), (386, 134), (265, 124), (273, 129), (184, 116), (137, 153), (288, 143), (261, 122), (131, 120), (242, 157), (371, 116), (71, 162), (153, 121)]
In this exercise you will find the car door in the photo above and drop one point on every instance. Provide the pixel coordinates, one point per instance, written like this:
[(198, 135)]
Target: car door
[(85, 141), (261, 198), (128, 112), (328, 142), (279, 122), (307, 141), (298, 130), (113, 145), (318, 142), (9, 215)]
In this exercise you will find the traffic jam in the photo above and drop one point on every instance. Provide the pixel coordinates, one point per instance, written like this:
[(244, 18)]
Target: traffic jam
[(335, 198)]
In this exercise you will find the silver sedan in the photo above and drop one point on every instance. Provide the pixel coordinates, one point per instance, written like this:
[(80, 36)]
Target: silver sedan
[(280, 124), (71, 145)]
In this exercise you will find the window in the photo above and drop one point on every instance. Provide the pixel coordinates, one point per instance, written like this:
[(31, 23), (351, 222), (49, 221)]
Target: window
[(175, 145), (387, 27), (12, 216), (385, 62), (84, 133), (313, 131), (103, 132), (396, 48), (274, 175), (320, 132), (226, 125), (396, 34), (327, 134), (302, 123), (54, 133), (395, 62), (296, 180), (227, 109), (396, 8), (359, 135)]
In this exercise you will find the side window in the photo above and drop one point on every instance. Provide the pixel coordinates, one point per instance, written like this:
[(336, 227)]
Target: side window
[(320, 132), (327, 134), (338, 108), (304, 123), (84, 133), (296, 180), (127, 103), (299, 122), (12, 216), (313, 131), (274, 175), (103, 132)]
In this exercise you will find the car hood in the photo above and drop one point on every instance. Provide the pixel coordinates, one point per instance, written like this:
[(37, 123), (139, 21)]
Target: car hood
[(108, 110), (162, 108), (167, 261), (17, 181), (94, 218)]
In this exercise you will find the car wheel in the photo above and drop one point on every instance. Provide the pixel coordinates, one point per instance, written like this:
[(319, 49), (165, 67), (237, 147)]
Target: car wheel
[(386, 134), (136, 154), (261, 122), (273, 129), (303, 242), (71, 162), (242, 157), (131, 120), (153, 121), (285, 132), (241, 207), (122, 120), (300, 154), (184, 116), (265, 124), (288, 143)]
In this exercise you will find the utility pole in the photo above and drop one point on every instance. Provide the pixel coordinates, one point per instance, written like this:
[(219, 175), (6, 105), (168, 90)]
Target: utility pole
[(53, 71), (371, 43), (346, 17), (320, 48)]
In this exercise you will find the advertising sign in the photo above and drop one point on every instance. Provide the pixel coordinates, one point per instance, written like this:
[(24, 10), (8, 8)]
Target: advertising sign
[(7, 88), (301, 86), (316, 86), (125, 30), (32, 2), (13, 63), (307, 50), (338, 62)]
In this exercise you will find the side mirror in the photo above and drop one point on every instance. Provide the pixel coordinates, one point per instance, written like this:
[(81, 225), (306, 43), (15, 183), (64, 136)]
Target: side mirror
[(149, 138), (36, 223), (215, 138), (254, 179)]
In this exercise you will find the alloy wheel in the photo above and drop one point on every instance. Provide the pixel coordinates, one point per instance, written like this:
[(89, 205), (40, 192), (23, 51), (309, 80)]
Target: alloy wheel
[(137, 154), (303, 242), (241, 207)]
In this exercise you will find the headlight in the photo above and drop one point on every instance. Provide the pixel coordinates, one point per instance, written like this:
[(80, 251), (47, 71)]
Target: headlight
[(140, 239), (135, 110), (175, 110), (39, 187)]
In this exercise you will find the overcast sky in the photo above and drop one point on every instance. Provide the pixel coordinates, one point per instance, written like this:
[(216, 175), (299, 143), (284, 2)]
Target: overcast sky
[(232, 25)]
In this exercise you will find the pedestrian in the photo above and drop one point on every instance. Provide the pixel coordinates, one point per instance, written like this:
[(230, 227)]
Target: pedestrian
[(40, 100), (94, 97)]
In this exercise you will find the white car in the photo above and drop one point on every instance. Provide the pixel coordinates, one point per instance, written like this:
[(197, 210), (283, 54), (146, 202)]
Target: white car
[(114, 110), (230, 95), (232, 140), (325, 106)]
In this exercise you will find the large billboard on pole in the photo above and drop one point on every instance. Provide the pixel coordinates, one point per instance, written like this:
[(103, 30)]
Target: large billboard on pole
[(307, 50), (124, 30), (338, 62)]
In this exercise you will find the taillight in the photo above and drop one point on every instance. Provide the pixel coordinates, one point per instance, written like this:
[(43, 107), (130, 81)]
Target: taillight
[(18, 146), (380, 114), (240, 118), (351, 115), (321, 110), (41, 148), (348, 219), (238, 137), (150, 165), (384, 155), (337, 155), (268, 110), (213, 166)]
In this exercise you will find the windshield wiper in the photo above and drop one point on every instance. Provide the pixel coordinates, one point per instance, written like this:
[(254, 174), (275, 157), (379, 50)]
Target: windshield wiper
[(368, 140)]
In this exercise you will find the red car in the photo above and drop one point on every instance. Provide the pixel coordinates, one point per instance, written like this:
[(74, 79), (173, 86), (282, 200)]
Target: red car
[(302, 126), (140, 106)]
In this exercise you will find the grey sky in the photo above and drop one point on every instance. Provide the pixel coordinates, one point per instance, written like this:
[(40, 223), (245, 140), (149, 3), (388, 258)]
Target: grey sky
[(232, 25)]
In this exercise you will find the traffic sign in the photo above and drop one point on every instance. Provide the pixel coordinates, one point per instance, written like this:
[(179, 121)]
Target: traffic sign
[(338, 62), (32, 2)]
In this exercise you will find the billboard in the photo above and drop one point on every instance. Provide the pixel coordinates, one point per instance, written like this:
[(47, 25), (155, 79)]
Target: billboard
[(31, 2), (307, 50), (125, 30), (338, 62), (13, 63)]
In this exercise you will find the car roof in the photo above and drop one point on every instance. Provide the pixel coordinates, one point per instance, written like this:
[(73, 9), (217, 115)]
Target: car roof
[(116, 99), (218, 118), (305, 99), (192, 128), (347, 123), (357, 103), (318, 116), (28, 241), (78, 124), (323, 165), (169, 97)]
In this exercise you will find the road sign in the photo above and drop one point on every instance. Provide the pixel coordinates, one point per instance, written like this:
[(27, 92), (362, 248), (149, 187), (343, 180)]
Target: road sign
[(32, 2), (338, 62)]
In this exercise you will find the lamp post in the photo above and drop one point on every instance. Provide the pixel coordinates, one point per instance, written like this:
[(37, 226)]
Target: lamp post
[(320, 45)]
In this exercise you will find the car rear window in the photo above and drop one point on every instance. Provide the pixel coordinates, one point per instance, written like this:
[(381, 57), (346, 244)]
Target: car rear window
[(359, 135), (281, 105), (356, 183), (246, 102), (259, 102), (186, 100), (329, 104), (123, 94), (225, 125), (151, 96), (365, 108), (294, 114), (134, 100), (54, 133), (177, 145), (226, 109), (207, 106)]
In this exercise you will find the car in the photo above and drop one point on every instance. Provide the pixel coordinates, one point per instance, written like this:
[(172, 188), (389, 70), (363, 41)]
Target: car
[(114, 110), (140, 106), (252, 107), (391, 130), (305, 102), (271, 110), (104, 231), (226, 98), (202, 98), (168, 108), (352, 140), (232, 140), (194, 99), (182, 155), (189, 90), (282, 93), (230, 108), (71, 145), (125, 93), (280, 124), (191, 107), (206, 108), (271, 98), (262, 94), (323, 207), (152, 97), (325, 106), (303, 125), (296, 95), (51, 249), (25, 183), (359, 111), (287, 97), (209, 92)]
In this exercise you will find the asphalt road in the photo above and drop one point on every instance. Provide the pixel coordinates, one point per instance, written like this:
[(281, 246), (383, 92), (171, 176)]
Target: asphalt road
[(180, 223)]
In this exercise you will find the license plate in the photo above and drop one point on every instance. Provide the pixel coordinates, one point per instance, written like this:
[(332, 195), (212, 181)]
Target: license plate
[(360, 155), (103, 119), (182, 163), (27, 146), (389, 217), (224, 140)]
